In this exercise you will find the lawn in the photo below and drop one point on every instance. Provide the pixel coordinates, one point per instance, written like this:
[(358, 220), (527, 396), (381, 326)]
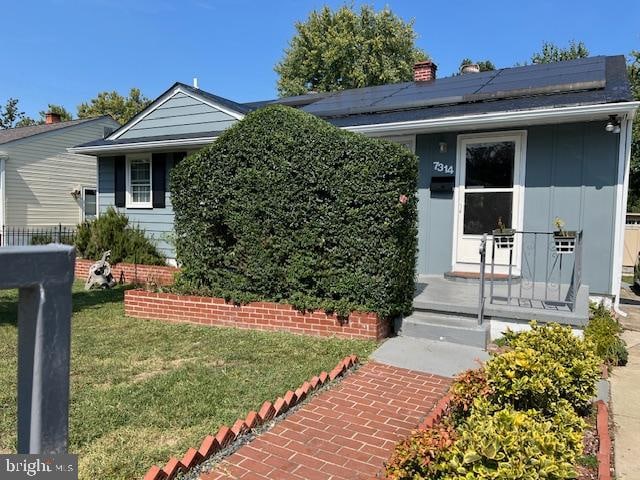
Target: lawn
[(143, 390)]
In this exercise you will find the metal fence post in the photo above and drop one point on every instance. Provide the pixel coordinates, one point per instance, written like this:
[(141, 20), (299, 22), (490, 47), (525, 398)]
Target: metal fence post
[(44, 276)]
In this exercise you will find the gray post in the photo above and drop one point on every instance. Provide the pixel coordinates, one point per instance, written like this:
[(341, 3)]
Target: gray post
[(44, 276)]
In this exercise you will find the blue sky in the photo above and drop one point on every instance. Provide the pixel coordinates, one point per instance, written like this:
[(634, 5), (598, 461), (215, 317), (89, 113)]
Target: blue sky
[(65, 51)]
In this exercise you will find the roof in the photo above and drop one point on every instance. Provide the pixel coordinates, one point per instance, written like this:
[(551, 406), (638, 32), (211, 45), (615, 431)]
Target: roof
[(12, 134), (585, 81), (158, 138)]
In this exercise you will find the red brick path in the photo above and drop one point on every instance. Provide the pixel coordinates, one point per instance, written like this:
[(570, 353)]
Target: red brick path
[(347, 432)]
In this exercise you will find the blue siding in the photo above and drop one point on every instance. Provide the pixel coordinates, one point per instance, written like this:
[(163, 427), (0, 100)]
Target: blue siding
[(157, 222), (571, 172), (181, 114)]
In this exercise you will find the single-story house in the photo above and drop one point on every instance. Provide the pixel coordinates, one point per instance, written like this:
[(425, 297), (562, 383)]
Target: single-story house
[(522, 145), (42, 185)]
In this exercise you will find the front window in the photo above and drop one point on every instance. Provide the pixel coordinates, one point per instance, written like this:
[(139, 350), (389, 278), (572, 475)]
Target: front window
[(139, 182), (89, 203)]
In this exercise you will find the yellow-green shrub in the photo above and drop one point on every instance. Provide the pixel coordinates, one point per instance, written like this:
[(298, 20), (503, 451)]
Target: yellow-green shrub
[(576, 355), (603, 331), (526, 379), (511, 444)]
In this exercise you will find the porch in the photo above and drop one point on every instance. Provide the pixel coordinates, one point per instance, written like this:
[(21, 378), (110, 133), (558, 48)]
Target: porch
[(472, 309)]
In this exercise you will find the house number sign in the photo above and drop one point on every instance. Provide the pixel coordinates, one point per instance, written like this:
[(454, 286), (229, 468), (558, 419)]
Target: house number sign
[(440, 167)]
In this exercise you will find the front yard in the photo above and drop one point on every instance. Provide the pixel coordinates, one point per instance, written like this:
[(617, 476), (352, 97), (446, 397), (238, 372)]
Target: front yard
[(142, 390)]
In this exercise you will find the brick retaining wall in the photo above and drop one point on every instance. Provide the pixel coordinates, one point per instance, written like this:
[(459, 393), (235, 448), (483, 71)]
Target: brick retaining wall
[(131, 273), (257, 315)]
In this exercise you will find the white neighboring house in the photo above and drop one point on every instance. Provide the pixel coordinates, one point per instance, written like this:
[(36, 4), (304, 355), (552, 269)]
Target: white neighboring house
[(42, 185)]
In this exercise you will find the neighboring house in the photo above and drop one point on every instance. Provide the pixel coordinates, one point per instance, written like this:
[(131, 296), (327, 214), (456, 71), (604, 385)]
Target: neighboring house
[(42, 185), (526, 144)]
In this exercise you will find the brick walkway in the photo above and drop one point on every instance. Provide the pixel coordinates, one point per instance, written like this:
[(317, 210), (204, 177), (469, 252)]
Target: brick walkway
[(347, 432)]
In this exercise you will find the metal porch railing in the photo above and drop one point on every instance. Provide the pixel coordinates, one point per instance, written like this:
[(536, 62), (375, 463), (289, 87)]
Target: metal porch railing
[(547, 278)]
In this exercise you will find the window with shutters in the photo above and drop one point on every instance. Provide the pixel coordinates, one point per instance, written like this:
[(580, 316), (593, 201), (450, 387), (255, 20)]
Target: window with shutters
[(139, 186)]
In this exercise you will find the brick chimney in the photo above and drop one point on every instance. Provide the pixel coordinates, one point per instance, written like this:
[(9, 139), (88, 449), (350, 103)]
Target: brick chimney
[(52, 117), (424, 71)]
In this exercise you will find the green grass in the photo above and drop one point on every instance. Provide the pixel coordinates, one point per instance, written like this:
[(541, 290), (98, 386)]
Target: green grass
[(143, 390), (627, 279)]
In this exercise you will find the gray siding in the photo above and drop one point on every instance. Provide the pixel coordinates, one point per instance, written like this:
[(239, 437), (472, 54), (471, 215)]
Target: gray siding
[(157, 222), (40, 174), (181, 114), (571, 172)]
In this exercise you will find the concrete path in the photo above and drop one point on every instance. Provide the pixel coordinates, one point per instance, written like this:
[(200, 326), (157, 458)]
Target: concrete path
[(440, 358), (625, 392), (346, 432)]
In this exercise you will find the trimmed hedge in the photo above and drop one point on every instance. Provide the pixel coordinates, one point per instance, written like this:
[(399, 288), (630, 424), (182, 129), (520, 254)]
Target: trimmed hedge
[(286, 207)]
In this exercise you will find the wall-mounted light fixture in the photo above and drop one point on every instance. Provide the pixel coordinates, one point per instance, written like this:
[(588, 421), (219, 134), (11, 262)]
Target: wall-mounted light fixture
[(613, 125), (443, 147)]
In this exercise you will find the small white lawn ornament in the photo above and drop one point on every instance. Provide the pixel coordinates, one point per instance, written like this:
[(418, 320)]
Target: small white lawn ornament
[(100, 273)]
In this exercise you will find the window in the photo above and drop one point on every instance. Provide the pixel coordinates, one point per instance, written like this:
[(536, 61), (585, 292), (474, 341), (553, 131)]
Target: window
[(89, 203), (139, 182)]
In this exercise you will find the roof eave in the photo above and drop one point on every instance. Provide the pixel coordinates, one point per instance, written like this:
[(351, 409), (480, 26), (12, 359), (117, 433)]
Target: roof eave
[(141, 146)]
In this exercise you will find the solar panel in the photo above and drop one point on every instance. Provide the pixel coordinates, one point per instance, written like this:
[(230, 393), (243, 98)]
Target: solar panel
[(588, 73)]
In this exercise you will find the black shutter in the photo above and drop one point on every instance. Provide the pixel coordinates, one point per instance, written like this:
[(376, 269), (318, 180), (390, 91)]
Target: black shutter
[(159, 179), (119, 180), (178, 156)]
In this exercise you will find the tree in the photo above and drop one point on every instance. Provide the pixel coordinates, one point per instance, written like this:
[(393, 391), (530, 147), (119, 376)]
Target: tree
[(65, 115), (11, 116), (552, 53), (122, 109), (633, 201), (336, 50), (485, 65)]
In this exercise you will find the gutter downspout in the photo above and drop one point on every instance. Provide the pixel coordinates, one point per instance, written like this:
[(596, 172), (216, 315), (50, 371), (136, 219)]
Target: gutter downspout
[(623, 214), (3, 196)]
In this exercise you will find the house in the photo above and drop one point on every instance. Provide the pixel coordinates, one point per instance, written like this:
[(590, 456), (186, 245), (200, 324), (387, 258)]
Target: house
[(42, 185), (522, 145)]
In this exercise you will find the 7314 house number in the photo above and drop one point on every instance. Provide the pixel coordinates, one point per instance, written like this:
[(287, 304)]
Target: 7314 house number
[(442, 168)]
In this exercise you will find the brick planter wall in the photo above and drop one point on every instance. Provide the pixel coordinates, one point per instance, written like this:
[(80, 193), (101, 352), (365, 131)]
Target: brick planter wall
[(130, 273), (258, 315)]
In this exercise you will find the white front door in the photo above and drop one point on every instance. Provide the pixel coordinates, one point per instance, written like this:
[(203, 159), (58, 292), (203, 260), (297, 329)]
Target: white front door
[(489, 188)]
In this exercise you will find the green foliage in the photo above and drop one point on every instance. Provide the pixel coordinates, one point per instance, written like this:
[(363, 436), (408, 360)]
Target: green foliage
[(526, 379), (633, 72), (65, 115), (122, 109), (468, 386), (11, 116), (576, 356), (511, 444), (485, 65), (603, 331), (419, 455), (286, 207), (336, 50), (552, 53), (112, 231)]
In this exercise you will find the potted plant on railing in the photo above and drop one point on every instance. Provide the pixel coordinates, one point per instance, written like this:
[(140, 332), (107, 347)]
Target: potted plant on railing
[(565, 240), (503, 237)]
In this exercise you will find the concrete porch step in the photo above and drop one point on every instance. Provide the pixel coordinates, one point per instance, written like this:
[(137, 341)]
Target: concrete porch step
[(462, 330)]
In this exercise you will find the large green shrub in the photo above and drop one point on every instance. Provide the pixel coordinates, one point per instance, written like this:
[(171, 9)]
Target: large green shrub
[(603, 331), (576, 356), (112, 231), (286, 207), (509, 444)]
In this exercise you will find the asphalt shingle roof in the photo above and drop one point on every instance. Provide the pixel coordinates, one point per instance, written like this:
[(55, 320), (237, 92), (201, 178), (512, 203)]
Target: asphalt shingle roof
[(12, 134)]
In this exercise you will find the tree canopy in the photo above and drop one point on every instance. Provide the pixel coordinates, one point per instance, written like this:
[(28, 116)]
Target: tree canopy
[(633, 202), (65, 115), (121, 108), (553, 53), (337, 50), (11, 116), (485, 65)]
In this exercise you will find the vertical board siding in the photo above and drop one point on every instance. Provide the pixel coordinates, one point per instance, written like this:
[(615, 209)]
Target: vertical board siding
[(181, 114), (571, 172), (40, 175)]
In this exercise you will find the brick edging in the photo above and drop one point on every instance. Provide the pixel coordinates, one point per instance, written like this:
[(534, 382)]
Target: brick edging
[(268, 316), (213, 444), (604, 441), (437, 413)]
